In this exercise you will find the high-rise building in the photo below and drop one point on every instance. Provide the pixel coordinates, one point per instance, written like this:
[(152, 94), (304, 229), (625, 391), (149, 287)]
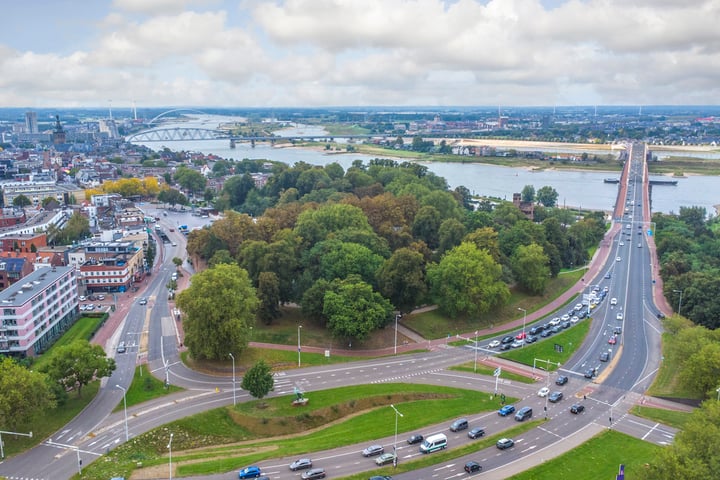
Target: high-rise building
[(31, 125)]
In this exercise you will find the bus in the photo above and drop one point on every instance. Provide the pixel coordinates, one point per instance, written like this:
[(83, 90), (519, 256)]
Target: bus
[(434, 443)]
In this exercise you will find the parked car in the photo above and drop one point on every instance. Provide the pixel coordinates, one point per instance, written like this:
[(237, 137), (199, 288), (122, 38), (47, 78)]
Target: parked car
[(504, 443), (561, 380), (101, 297), (472, 467), (531, 339), (476, 432), (506, 410), (300, 464), (505, 346), (373, 450), (413, 439), (520, 336), (516, 344), (555, 397), (577, 408), (121, 348), (507, 339), (82, 298), (494, 344), (385, 458), (313, 473), (546, 333), (143, 301), (252, 471)]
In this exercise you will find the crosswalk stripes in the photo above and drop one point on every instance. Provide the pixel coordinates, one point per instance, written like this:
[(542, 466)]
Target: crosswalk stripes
[(401, 377)]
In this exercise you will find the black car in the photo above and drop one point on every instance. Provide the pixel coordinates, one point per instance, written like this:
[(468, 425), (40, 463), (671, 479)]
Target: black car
[(617, 330), (476, 432), (604, 357), (546, 333), (582, 314), (561, 380), (577, 408), (313, 474), (607, 275), (555, 397), (590, 373), (472, 467), (300, 464), (507, 339), (415, 439), (506, 346), (536, 330)]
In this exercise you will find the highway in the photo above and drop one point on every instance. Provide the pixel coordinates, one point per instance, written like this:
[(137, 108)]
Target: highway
[(619, 384)]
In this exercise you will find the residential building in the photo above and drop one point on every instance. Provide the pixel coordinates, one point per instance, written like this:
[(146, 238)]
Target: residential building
[(12, 269), (108, 266), (38, 310)]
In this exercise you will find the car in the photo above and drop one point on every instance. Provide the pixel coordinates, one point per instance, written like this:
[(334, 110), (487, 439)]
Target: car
[(504, 443), (543, 392), (613, 301), (507, 339), (459, 424), (578, 307), (564, 318), (472, 467), (516, 344), (82, 298), (252, 471), (143, 301), (574, 319), (520, 336), (121, 348), (413, 439), (566, 324), (617, 259), (612, 340), (604, 356), (581, 314), (561, 380), (385, 458), (506, 410), (546, 333), (505, 347), (555, 329), (313, 473), (536, 330), (531, 339), (373, 450), (101, 297), (608, 275), (555, 397), (301, 464), (627, 226), (577, 408), (91, 297), (89, 307), (590, 373), (82, 308), (617, 330), (619, 316), (494, 344), (622, 244), (174, 244), (476, 432)]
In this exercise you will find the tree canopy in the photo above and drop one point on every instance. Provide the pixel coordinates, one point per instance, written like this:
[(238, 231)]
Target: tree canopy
[(75, 365), (24, 394), (258, 380)]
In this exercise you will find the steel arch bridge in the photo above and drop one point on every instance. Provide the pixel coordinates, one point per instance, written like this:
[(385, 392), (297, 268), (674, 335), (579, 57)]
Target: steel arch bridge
[(191, 110), (175, 134)]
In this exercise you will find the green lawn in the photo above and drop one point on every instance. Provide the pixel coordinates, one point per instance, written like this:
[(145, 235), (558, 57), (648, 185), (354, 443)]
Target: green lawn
[(673, 418), (667, 381), (570, 340), (82, 329), (145, 387), (208, 442), (433, 324), (598, 459), (483, 370)]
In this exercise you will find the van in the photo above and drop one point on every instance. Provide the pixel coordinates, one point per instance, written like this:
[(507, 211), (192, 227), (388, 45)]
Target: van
[(434, 443), (523, 414), (459, 424)]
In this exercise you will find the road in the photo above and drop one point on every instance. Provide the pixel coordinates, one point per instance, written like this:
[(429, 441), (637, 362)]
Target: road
[(607, 398)]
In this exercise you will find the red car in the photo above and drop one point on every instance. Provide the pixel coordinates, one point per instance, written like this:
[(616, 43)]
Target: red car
[(612, 340), (520, 335)]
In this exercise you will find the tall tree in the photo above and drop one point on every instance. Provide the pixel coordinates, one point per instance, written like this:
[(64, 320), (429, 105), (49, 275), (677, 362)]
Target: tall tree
[(528, 193), (24, 394), (547, 196), (530, 268), (258, 380), (402, 279), (77, 364), (269, 295), (354, 310), (219, 306)]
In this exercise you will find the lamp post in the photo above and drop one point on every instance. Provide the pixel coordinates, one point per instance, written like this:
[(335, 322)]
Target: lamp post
[(524, 317), (397, 414), (680, 301), (127, 436), (718, 390), (476, 335), (299, 327), (170, 449), (396, 322), (233, 364)]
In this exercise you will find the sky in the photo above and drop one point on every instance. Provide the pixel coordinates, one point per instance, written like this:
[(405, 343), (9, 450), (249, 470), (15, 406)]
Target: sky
[(323, 53)]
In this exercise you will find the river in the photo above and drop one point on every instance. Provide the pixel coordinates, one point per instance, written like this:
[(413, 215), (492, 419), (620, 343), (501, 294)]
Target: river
[(575, 188)]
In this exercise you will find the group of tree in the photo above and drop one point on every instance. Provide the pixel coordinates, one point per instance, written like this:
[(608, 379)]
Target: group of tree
[(26, 393), (688, 250), (352, 247), (75, 229), (127, 187)]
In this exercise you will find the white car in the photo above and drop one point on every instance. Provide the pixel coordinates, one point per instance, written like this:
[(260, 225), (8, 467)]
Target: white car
[(494, 344), (82, 298), (619, 316), (574, 319), (618, 259), (622, 244), (543, 392), (613, 301)]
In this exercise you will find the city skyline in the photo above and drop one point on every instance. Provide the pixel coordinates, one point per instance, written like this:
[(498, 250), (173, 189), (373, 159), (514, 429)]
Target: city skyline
[(319, 53)]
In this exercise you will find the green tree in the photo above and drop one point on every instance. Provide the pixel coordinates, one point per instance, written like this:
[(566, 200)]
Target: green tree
[(467, 281), (77, 364), (701, 371), (190, 180), (24, 394), (237, 188), (258, 380), (221, 256), (450, 234), (530, 268), (353, 310), (402, 279), (172, 197), (528, 193), (547, 196), (76, 228), (269, 295), (219, 306), (426, 226), (177, 261), (21, 201)]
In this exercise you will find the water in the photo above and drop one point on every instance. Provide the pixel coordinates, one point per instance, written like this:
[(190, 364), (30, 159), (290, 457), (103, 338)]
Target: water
[(575, 188)]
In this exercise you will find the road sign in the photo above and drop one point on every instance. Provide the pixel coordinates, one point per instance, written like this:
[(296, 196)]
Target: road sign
[(497, 372)]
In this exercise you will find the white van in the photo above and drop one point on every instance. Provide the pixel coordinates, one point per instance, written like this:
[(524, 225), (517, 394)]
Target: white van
[(434, 443)]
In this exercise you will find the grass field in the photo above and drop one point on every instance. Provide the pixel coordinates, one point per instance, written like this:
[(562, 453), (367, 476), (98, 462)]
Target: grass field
[(598, 459), (82, 329), (672, 418), (483, 370), (570, 339), (145, 387)]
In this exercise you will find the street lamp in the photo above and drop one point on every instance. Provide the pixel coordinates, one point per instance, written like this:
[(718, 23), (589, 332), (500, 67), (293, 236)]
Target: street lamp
[(397, 414), (127, 436), (299, 327), (680, 301), (396, 322), (233, 364), (524, 317), (476, 349), (170, 449), (718, 390)]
